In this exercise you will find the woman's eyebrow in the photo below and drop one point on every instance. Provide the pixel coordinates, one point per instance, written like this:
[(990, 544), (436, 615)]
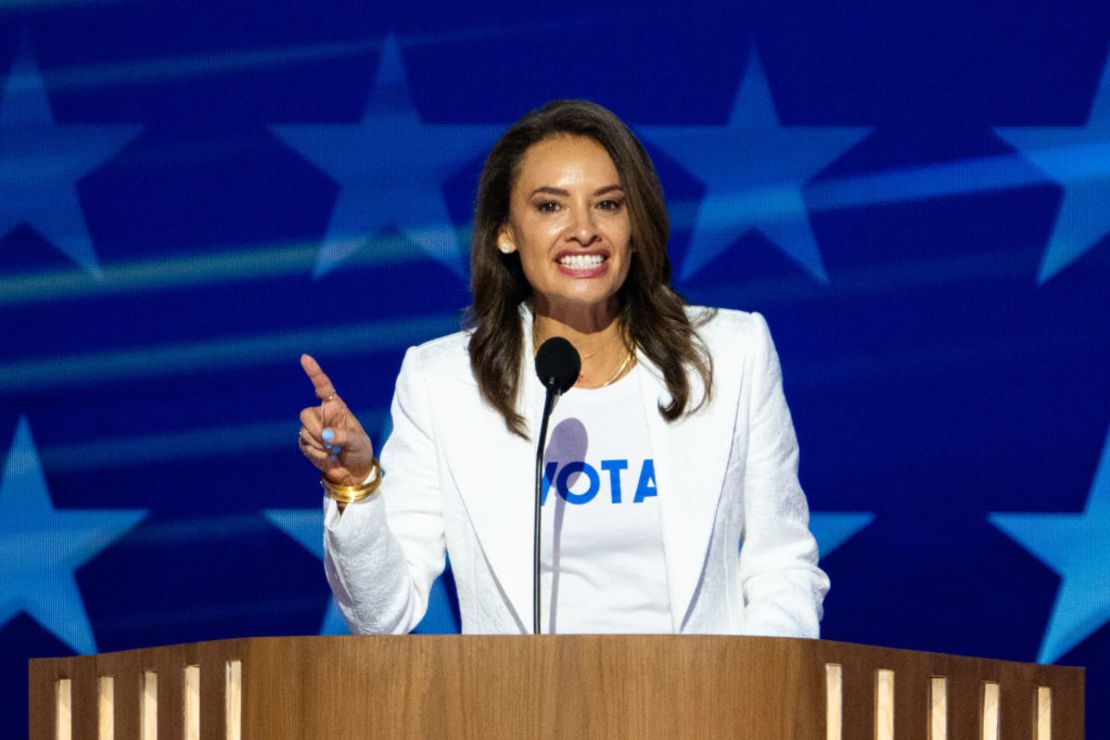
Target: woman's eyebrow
[(548, 190)]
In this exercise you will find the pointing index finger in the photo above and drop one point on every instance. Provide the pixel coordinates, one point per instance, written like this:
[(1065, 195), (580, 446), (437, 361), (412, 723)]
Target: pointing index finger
[(321, 383)]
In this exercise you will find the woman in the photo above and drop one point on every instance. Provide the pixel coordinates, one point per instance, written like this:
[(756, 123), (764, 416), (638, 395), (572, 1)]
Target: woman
[(674, 447)]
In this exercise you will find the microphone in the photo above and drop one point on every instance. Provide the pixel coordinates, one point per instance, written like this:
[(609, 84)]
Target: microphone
[(558, 366)]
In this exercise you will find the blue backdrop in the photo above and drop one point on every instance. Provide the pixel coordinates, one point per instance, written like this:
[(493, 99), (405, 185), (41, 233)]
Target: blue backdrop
[(916, 195)]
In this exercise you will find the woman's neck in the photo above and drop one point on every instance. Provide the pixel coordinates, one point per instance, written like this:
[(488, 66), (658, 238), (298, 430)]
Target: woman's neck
[(596, 332), (588, 328), (567, 319)]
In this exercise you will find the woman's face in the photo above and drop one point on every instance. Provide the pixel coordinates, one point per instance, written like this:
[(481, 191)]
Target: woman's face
[(568, 221)]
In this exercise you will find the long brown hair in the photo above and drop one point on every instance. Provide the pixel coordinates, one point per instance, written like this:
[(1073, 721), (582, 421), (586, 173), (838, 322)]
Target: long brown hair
[(653, 314)]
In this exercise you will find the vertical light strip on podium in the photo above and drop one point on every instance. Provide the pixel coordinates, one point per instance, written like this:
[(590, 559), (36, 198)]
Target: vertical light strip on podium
[(834, 701), (884, 704), (106, 708), (938, 708), (233, 698), (148, 706), (63, 709), (1044, 713), (191, 730), (991, 698)]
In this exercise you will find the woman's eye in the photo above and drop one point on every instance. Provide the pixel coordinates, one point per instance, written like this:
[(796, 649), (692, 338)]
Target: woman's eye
[(547, 206), (610, 205)]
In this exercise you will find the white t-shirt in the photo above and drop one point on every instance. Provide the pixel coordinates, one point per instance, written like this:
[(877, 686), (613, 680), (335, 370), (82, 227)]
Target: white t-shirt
[(602, 565)]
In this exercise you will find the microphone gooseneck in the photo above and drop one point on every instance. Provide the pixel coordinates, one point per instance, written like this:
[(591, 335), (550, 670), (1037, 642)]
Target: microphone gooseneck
[(558, 366)]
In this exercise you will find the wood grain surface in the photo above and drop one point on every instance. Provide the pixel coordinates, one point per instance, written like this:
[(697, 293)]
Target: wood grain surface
[(570, 686)]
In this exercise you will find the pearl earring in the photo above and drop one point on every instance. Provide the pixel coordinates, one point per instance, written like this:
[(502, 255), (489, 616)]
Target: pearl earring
[(505, 247)]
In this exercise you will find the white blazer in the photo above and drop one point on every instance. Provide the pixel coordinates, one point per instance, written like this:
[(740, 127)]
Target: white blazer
[(457, 481)]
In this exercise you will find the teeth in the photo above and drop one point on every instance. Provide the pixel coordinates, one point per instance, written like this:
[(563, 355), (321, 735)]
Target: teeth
[(581, 261)]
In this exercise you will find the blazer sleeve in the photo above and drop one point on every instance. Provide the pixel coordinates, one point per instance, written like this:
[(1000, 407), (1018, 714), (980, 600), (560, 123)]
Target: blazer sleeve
[(382, 554), (783, 587)]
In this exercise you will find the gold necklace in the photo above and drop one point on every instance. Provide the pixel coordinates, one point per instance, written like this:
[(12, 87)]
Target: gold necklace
[(629, 357)]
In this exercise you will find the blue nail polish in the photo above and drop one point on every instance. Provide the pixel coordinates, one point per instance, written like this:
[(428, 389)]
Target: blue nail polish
[(328, 435)]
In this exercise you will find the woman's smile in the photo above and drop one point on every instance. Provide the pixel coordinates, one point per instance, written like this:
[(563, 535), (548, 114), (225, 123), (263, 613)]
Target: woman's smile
[(583, 264)]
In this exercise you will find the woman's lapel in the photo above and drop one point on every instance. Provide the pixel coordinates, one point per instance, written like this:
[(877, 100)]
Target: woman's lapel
[(691, 457), (494, 473)]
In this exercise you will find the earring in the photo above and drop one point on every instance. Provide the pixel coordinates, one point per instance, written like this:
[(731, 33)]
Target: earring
[(505, 247)]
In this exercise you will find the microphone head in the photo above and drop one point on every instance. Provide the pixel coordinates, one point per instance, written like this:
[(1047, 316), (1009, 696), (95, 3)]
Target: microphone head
[(558, 364)]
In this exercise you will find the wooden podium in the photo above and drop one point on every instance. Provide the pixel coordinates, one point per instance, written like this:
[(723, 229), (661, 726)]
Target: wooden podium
[(573, 686)]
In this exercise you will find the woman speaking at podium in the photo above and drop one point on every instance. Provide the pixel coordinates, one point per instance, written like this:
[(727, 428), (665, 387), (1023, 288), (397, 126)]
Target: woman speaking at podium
[(671, 502)]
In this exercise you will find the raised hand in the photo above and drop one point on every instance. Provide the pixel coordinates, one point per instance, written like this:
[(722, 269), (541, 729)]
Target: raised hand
[(331, 437)]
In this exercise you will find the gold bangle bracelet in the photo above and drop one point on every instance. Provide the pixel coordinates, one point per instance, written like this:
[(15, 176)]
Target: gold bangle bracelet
[(351, 494)]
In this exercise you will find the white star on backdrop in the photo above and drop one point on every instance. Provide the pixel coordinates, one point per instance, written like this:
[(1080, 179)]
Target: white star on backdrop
[(1077, 547), (754, 170), (41, 163), (41, 547), (1078, 159), (306, 528), (832, 529), (391, 168)]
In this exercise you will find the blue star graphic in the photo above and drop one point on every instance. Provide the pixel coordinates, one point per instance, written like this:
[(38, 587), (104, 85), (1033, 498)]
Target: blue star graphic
[(42, 162), (754, 170), (1078, 159), (833, 528), (306, 528), (41, 547), (1074, 546), (391, 168)]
